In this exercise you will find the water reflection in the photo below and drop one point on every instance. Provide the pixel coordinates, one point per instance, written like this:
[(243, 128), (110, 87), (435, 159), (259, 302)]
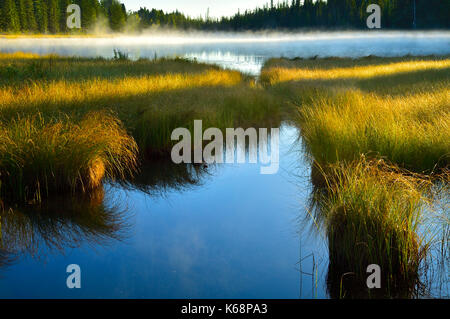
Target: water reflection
[(427, 263), (160, 176), (60, 223), (243, 51), (178, 231)]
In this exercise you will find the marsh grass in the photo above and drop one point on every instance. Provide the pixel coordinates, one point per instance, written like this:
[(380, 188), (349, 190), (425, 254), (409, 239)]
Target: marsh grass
[(220, 107), (371, 212), (345, 108), (411, 131), (40, 156), (149, 98), (377, 131)]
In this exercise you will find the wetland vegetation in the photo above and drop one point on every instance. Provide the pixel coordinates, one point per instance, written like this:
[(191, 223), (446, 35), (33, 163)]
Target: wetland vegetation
[(376, 132)]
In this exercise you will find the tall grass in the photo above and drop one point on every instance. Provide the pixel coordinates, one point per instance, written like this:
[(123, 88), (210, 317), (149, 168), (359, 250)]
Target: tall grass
[(285, 71), (346, 108), (40, 156), (149, 98), (371, 212), (360, 120), (217, 107), (411, 131)]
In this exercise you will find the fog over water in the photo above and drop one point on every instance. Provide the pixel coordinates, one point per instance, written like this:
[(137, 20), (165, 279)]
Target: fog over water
[(243, 51)]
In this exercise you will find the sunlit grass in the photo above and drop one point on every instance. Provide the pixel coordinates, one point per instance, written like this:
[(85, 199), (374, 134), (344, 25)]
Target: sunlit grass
[(149, 98), (289, 72), (412, 131), (20, 55), (406, 123), (57, 93), (367, 125), (371, 212), (39, 157), (53, 36)]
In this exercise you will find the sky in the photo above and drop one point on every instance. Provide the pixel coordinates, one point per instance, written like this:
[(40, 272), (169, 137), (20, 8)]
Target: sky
[(195, 8)]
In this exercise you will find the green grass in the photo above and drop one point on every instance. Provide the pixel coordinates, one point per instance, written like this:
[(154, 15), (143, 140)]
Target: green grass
[(377, 131), (371, 213), (149, 98), (346, 109), (39, 157)]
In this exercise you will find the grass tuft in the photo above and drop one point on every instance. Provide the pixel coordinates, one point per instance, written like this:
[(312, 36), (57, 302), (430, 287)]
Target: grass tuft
[(41, 156)]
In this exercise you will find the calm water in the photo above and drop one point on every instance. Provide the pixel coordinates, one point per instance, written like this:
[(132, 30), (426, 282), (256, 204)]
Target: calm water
[(244, 51), (176, 232), (223, 231)]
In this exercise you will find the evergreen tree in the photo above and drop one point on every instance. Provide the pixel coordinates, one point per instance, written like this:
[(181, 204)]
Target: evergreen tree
[(23, 19), (53, 16), (30, 15), (9, 16), (117, 16), (88, 13), (63, 4), (50, 15), (40, 9)]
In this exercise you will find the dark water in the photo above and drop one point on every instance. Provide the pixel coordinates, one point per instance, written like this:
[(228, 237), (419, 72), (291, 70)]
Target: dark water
[(176, 232)]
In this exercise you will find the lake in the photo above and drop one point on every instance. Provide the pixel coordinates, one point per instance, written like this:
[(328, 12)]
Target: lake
[(178, 231), (243, 51)]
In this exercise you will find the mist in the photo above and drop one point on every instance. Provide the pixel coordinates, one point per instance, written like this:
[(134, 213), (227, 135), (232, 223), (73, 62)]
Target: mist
[(244, 51)]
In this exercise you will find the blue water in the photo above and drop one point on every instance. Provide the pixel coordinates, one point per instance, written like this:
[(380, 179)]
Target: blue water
[(234, 234)]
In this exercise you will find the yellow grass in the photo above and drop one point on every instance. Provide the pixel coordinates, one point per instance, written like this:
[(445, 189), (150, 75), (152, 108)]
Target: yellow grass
[(150, 98), (280, 74), (63, 91), (406, 122)]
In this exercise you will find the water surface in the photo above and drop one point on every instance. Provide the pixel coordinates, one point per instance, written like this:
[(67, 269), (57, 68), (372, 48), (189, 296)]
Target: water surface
[(243, 51), (224, 231)]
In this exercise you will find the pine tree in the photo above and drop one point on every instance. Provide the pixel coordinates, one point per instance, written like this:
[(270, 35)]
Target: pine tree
[(117, 17), (31, 24), (53, 16), (40, 9), (63, 4), (10, 18), (88, 13), (23, 19)]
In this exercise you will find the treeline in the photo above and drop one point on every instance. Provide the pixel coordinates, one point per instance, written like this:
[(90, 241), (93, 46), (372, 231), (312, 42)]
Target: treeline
[(49, 16), (395, 14), (296, 14)]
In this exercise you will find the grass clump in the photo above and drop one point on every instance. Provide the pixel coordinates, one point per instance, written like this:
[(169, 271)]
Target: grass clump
[(371, 212), (219, 107), (391, 108), (149, 97), (411, 131), (279, 70), (40, 156), (377, 131)]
